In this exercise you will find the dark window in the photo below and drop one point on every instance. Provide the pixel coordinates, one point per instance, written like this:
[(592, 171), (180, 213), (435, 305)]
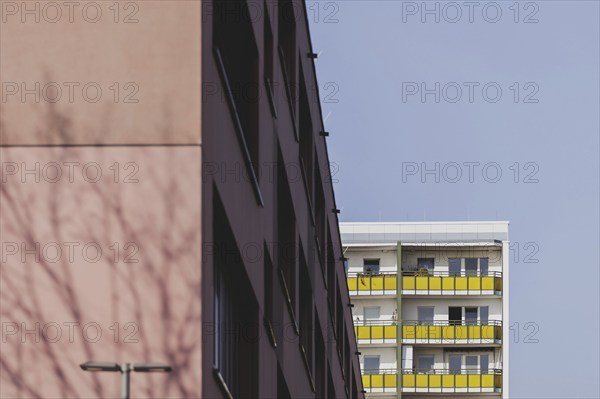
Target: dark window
[(484, 364), (371, 265), (455, 315), (484, 314), (235, 313), (237, 56), (306, 142), (454, 266), (268, 43), (455, 363), (268, 292), (331, 262), (286, 230), (287, 44), (306, 312), (320, 351), (471, 267), (321, 220), (425, 314)]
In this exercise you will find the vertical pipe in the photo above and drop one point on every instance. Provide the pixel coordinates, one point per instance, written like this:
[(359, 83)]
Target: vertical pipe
[(125, 370)]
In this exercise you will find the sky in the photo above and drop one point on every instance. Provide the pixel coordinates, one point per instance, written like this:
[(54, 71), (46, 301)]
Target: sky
[(490, 112)]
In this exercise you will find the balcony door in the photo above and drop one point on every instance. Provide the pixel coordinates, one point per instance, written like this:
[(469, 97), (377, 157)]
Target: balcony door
[(425, 314), (454, 265), (471, 316), (425, 364), (425, 263), (471, 266)]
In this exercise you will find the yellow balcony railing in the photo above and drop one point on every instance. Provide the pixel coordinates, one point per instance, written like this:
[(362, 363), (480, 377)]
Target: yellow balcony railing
[(451, 332), (451, 381), (375, 331), (443, 283), (375, 283), (380, 380)]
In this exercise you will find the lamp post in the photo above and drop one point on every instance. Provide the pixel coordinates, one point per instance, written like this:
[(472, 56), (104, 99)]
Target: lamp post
[(125, 369)]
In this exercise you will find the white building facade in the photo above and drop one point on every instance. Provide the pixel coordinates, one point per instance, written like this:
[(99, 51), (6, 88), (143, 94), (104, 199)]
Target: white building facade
[(430, 307)]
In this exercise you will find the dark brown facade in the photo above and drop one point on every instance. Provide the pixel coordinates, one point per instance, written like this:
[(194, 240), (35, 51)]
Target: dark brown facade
[(276, 312)]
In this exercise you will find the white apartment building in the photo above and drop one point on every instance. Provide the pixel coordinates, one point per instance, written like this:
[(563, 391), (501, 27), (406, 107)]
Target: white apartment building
[(430, 307)]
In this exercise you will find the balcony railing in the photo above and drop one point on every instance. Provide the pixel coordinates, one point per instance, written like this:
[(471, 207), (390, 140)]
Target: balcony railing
[(380, 380), (444, 283), (376, 331), (450, 381), (372, 283), (451, 332)]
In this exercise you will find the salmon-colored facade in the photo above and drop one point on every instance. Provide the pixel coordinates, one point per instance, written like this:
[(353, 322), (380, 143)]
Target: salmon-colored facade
[(92, 94)]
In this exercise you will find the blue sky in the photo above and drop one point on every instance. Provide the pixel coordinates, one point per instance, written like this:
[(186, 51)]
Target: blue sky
[(530, 141)]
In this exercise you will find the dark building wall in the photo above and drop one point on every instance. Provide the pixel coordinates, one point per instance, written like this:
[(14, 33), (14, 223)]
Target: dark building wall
[(277, 321)]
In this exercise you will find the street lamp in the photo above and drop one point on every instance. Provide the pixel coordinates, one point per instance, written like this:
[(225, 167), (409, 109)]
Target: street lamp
[(125, 369)]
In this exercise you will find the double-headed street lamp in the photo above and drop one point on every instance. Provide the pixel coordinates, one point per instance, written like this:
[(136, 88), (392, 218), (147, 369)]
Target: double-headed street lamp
[(125, 369)]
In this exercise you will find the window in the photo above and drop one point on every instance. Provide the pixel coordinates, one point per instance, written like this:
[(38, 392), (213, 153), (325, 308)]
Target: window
[(286, 231), (425, 364), (287, 47), (454, 266), (484, 364), (371, 266), (455, 315), (237, 58), (471, 363), (371, 365), (425, 263), (484, 312), (455, 364), (306, 312), (425, 314), (471, 316), (371, 313), (484, 266), (306, 142), (471, 266), (235, 313), (268, 43)]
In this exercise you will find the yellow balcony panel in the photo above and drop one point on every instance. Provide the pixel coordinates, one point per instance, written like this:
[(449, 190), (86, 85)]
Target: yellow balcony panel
[(422, 283), (390, 283), (390, 380), (460, 381), (363, 332), (409, 332), (435, 283), (460, 283), (460, 332), (390, 332), (422, 380), (487, 332), (448, 332), (487, 381), (474, 332), (448, 283), (435, 381), (377, 332), (364, 283), (408, 380), (408, 283), (474, 283), (352, 284), (487, 283), (474, 380), (376, 380), (448, 381), (377, 283)]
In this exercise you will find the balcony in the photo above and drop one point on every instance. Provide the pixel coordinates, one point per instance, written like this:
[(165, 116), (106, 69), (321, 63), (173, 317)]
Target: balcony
[(380, 380), (373, 332), (451, 332), (451, 381), (425, 282), (372, 283)]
